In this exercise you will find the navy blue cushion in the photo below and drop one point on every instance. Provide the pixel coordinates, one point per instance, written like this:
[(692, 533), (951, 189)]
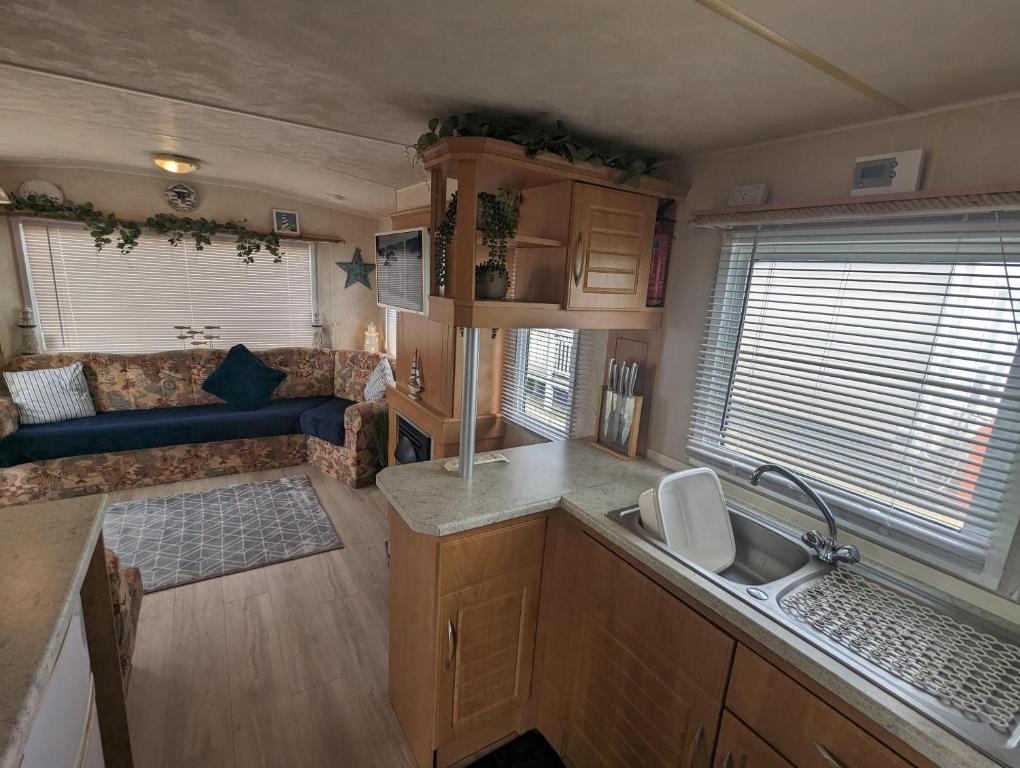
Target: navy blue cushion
[(154, 428), (242, 380), (327, 420)]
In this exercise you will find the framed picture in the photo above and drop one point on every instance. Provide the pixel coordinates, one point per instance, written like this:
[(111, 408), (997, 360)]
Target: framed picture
[(286, 222)]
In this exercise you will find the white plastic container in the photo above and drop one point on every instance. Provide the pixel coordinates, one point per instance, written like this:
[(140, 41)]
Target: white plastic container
[(687, 511)]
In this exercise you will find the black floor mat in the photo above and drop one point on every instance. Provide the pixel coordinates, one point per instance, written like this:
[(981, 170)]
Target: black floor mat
[(529, 750)]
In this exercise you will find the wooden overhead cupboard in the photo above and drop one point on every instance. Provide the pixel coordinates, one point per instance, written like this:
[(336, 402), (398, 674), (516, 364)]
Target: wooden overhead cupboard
[(584, 246), (537, 623)]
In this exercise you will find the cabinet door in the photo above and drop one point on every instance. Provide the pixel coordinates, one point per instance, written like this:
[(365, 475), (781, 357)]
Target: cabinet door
[(806, 730), (740, 747), (610, 248), (487, 651), (650, 673)]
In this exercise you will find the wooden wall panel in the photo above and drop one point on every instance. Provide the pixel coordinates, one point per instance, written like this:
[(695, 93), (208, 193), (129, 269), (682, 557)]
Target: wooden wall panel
[(645, 348)]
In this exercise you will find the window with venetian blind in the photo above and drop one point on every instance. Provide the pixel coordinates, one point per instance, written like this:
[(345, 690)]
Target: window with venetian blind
[(88, 301), (880, 359), (546, 381), (391, 331)]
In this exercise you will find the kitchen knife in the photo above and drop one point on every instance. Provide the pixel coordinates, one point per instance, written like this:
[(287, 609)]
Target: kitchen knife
[(607, 401)]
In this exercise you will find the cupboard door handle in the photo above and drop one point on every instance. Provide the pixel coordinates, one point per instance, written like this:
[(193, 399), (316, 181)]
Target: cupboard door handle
[(696, 742), (578, 258), (827, 756), (727, 762), (451, 642)]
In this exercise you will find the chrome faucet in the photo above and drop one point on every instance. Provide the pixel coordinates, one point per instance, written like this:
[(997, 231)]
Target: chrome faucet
[(827, 549)]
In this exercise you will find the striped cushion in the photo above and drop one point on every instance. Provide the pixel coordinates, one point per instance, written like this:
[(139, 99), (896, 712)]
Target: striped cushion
[(50, 394)]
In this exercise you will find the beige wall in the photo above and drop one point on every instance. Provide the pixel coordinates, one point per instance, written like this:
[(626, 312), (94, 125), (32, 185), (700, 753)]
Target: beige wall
[(137, 196)]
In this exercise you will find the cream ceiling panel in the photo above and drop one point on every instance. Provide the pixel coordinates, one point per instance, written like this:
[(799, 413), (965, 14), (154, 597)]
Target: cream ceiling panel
[(924, 53)]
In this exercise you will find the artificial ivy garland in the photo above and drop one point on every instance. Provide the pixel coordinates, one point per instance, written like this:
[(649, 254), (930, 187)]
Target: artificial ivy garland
[(497, 222), (103, 226), (535, 138)]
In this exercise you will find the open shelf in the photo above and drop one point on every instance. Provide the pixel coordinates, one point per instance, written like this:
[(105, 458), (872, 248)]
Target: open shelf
[(530, 314), (525, 241)]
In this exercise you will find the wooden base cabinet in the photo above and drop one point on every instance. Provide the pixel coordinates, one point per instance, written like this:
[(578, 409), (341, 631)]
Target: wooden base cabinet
[(740, 747), (806, 730), (650, 676), (537, 623), (463, 621)]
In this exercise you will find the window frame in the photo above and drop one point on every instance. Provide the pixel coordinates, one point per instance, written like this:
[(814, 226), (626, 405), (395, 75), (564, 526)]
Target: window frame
[(893, 531)]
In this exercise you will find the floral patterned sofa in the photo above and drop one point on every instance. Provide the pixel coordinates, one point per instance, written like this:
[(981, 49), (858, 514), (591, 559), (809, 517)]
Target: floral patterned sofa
[(168, 380)]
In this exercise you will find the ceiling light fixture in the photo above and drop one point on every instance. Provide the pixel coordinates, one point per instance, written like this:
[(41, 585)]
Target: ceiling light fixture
[(5, 199), (176, 163)]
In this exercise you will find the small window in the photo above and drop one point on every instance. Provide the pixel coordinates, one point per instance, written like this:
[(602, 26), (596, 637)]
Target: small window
[(391, 331), (546, 381), (88, 301), (881, 360)]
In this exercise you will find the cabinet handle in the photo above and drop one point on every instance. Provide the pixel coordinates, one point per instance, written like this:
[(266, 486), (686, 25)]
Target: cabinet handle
[(451, 642), (578, 258), (827, 756), (727, 762), (696, 742)]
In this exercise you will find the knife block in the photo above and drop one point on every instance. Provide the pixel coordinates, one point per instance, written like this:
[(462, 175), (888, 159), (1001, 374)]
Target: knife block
[(631, 404)]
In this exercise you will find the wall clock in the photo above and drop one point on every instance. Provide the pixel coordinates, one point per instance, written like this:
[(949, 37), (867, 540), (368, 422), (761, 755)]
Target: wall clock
[(41, 188), (181, 197)]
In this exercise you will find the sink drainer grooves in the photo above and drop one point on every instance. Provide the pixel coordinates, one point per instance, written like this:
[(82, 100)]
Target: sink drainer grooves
[(964, 667)]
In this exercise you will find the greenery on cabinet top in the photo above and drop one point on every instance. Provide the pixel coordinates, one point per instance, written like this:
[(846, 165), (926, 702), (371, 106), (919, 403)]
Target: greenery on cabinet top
[(536, 138)]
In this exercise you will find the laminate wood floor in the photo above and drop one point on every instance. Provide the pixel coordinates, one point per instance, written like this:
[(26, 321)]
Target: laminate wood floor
[(282, 666)]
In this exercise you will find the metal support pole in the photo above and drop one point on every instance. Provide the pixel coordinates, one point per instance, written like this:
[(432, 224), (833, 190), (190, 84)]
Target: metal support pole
[(469, 403)]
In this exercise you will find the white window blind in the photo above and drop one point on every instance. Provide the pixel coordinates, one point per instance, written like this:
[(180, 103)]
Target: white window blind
[(88, 301), (400, 269), (880, 359), (391, 331), (546, 381)]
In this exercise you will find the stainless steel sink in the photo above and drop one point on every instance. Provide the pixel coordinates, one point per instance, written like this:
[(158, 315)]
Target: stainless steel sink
[(763, 555), (771, 563)]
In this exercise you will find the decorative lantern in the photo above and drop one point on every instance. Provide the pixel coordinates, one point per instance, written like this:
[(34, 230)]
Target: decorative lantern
[(30, 341), (371, 338)]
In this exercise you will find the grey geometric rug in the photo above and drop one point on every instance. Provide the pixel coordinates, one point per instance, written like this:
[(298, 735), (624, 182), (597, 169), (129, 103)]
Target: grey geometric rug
[(199, 535)]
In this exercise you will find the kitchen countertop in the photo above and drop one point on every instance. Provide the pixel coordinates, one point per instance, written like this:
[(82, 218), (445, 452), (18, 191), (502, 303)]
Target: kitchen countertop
[(587, 484), (45, 550)]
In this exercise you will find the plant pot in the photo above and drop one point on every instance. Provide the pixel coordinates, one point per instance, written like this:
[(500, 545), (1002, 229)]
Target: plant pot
[(491, 285)]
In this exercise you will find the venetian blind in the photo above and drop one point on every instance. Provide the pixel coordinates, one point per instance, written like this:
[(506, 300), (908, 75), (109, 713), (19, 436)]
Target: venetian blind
[(880, 359), (88, 301), (399, 269), (546, 381), (391, 331)]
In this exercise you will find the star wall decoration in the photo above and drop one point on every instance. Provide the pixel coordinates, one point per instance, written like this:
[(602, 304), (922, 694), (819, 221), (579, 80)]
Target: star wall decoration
[(357, 270)]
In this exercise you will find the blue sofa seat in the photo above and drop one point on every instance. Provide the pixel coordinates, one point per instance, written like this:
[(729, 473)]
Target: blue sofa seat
[(326, 421), (154, 428)]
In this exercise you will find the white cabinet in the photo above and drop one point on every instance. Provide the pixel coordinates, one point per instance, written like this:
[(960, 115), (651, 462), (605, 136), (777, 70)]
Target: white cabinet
[(60, 727), (92, 749)]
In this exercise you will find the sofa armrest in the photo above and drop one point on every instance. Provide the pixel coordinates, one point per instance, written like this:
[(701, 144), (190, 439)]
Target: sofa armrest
[(9, 421), (361, 427)]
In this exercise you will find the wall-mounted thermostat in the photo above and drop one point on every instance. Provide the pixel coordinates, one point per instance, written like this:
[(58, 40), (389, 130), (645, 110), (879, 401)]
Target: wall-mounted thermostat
[(749, 194), (885, 174)]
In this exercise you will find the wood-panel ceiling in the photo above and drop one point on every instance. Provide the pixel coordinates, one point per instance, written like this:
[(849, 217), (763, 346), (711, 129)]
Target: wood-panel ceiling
[(346, 84)]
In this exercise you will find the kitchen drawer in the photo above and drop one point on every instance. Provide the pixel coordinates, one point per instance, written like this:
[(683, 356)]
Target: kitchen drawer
[(806, 730), (476, 559), (62, 717), (740, 747)]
